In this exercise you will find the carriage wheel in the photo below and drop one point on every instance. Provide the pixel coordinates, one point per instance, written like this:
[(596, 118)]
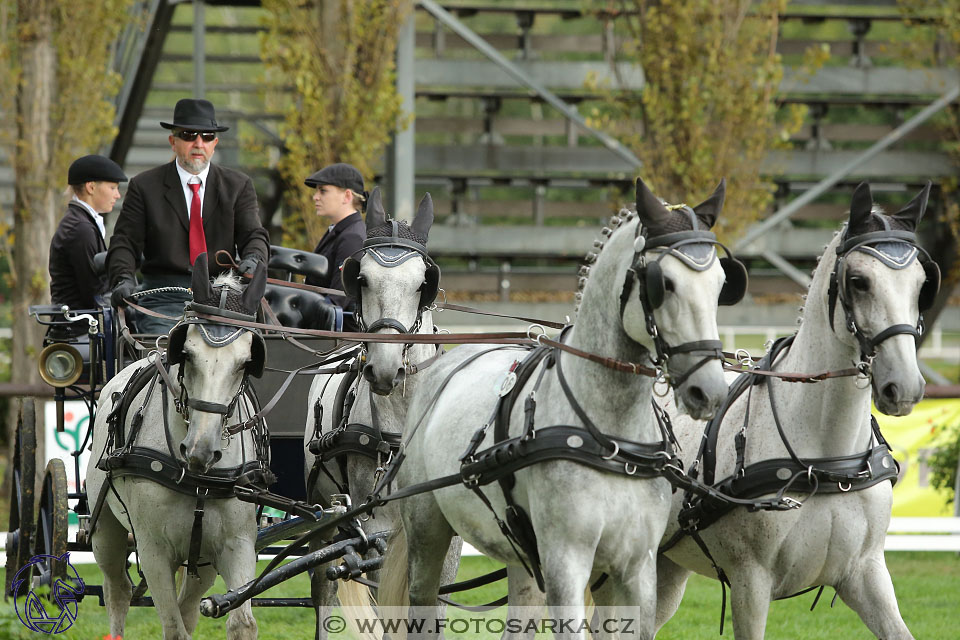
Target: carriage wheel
[(51, 533), (24, 473)]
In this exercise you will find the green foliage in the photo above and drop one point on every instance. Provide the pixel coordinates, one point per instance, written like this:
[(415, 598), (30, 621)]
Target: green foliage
[(711, 72), (338, 57), (943, 461)]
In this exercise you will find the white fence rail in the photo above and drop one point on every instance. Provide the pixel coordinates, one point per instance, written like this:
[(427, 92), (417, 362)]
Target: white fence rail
[(933, 347), (923, 534)]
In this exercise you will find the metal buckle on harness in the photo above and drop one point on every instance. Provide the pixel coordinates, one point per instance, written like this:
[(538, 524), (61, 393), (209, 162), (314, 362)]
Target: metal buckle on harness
[(743, 357), (791, 503), (629, 469), (840, 486), (616, 450)]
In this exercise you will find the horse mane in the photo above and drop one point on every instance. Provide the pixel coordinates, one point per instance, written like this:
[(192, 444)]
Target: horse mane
[(621, 217), (230, 280)]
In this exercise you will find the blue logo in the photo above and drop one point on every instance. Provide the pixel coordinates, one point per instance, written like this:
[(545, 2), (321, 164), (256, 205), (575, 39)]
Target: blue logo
[(65, 593)]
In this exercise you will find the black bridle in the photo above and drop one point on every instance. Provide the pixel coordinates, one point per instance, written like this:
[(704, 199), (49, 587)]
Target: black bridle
[(648, 278), (868, 243)]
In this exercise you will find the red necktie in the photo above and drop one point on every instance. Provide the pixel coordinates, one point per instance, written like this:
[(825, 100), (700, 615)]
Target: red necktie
[(198, 242)]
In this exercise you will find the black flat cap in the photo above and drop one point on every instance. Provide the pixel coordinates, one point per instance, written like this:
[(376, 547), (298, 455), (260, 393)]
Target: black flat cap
[(341, 175), (94, 169), (194, 115)]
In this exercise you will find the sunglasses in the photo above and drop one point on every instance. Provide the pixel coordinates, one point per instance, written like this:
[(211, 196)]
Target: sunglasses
[(190, 136)]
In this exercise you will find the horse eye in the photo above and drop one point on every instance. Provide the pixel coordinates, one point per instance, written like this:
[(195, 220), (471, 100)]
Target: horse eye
[(860, 283), (668, 284)]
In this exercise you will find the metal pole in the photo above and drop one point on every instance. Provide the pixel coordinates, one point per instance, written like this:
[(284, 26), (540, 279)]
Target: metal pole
[(401, 165), (758, 230), (199, 49), (517, 74)]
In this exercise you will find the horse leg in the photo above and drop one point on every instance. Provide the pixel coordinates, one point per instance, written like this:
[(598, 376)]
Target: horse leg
[(426, 532), (525, 602), (237, 563), (870, 593), (750, 591), (190, 594), (566, 573), (159, 569), (323, 593), (671, 583), (451, 563), (110, 549)]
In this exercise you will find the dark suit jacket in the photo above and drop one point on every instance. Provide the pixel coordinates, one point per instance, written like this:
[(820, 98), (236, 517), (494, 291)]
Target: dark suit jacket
[(337, 244), (73, 280), (154, 222)]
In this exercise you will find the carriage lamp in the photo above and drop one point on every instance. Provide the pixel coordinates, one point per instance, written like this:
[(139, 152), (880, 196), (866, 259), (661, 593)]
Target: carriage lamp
[(60, 365)]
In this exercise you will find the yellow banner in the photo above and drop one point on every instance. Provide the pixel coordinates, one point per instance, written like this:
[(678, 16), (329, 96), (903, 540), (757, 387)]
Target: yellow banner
[(912, 438)]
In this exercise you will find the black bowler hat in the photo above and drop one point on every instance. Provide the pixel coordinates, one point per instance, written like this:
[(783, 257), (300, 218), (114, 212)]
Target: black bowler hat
[(94, 169), (194, 115), (341, 175)]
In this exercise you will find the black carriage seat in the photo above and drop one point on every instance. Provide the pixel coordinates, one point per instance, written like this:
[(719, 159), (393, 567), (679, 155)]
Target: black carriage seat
[(295, 261), (296, 307)]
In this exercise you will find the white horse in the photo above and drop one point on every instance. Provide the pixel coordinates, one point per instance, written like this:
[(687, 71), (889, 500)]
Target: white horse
[(172, 461), (868, 316), (652, 291), (395, 283)]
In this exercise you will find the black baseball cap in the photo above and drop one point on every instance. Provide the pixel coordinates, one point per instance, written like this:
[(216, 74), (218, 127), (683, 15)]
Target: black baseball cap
[(94, 169), (341, 175)]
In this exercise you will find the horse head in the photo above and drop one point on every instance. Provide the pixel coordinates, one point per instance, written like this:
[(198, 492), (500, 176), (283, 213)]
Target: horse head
[(671, 289), (215, 359), (394, 282), (881, 282)]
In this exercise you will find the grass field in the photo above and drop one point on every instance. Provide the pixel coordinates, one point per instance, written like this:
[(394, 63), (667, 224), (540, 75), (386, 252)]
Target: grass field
[(927, 587)]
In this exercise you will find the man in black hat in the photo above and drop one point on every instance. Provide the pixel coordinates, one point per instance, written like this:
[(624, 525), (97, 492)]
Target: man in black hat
[(95, 188), (176, 211), (339, 198)]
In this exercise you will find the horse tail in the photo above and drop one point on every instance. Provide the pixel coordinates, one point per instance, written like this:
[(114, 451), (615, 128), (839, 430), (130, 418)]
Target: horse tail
[(356, 602), (393, 596)]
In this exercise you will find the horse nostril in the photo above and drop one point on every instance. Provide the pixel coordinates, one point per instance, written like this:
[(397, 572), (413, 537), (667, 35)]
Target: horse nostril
[(368, 374), (183, 450), (401, 373), (891, 392), (696, 396), (216, 456)]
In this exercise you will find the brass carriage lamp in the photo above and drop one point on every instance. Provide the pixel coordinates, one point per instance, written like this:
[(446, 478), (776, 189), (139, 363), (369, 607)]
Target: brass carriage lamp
[(60, 365)]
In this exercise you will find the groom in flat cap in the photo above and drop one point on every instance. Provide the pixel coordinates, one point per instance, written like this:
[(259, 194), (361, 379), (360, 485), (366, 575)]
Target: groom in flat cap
[(174, 212)]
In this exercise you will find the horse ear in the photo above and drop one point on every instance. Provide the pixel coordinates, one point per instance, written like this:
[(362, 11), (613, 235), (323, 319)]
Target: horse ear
[(200, 283), (250, 299), (653, 214), (708, 210), (424, 218), (861, 207), (376, 216), (913, 212)]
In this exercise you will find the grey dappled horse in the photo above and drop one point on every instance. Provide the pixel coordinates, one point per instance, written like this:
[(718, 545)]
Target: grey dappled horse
[(395, 283), (657, 278), (179, 437), (861, 308)]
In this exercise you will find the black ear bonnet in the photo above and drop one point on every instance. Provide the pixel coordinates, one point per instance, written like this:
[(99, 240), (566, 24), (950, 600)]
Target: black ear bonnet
[(683, 232), (889, 238), (391, 245), (226, 302)]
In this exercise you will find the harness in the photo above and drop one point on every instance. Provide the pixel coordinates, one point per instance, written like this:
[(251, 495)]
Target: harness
[(124, 457)]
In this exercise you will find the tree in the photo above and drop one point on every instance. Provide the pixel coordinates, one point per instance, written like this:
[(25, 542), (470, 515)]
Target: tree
[(339, 58), (56, 54), (937, 43), (711, 71)]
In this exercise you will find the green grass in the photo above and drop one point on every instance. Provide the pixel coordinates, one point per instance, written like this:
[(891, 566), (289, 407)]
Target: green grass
[(926, 584)]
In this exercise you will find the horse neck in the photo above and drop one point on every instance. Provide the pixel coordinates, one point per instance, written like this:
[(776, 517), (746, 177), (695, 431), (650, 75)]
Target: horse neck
[(830, 417), (618, 403)]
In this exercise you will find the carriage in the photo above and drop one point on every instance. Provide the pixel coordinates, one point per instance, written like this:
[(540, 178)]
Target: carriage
[(654, 309)]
